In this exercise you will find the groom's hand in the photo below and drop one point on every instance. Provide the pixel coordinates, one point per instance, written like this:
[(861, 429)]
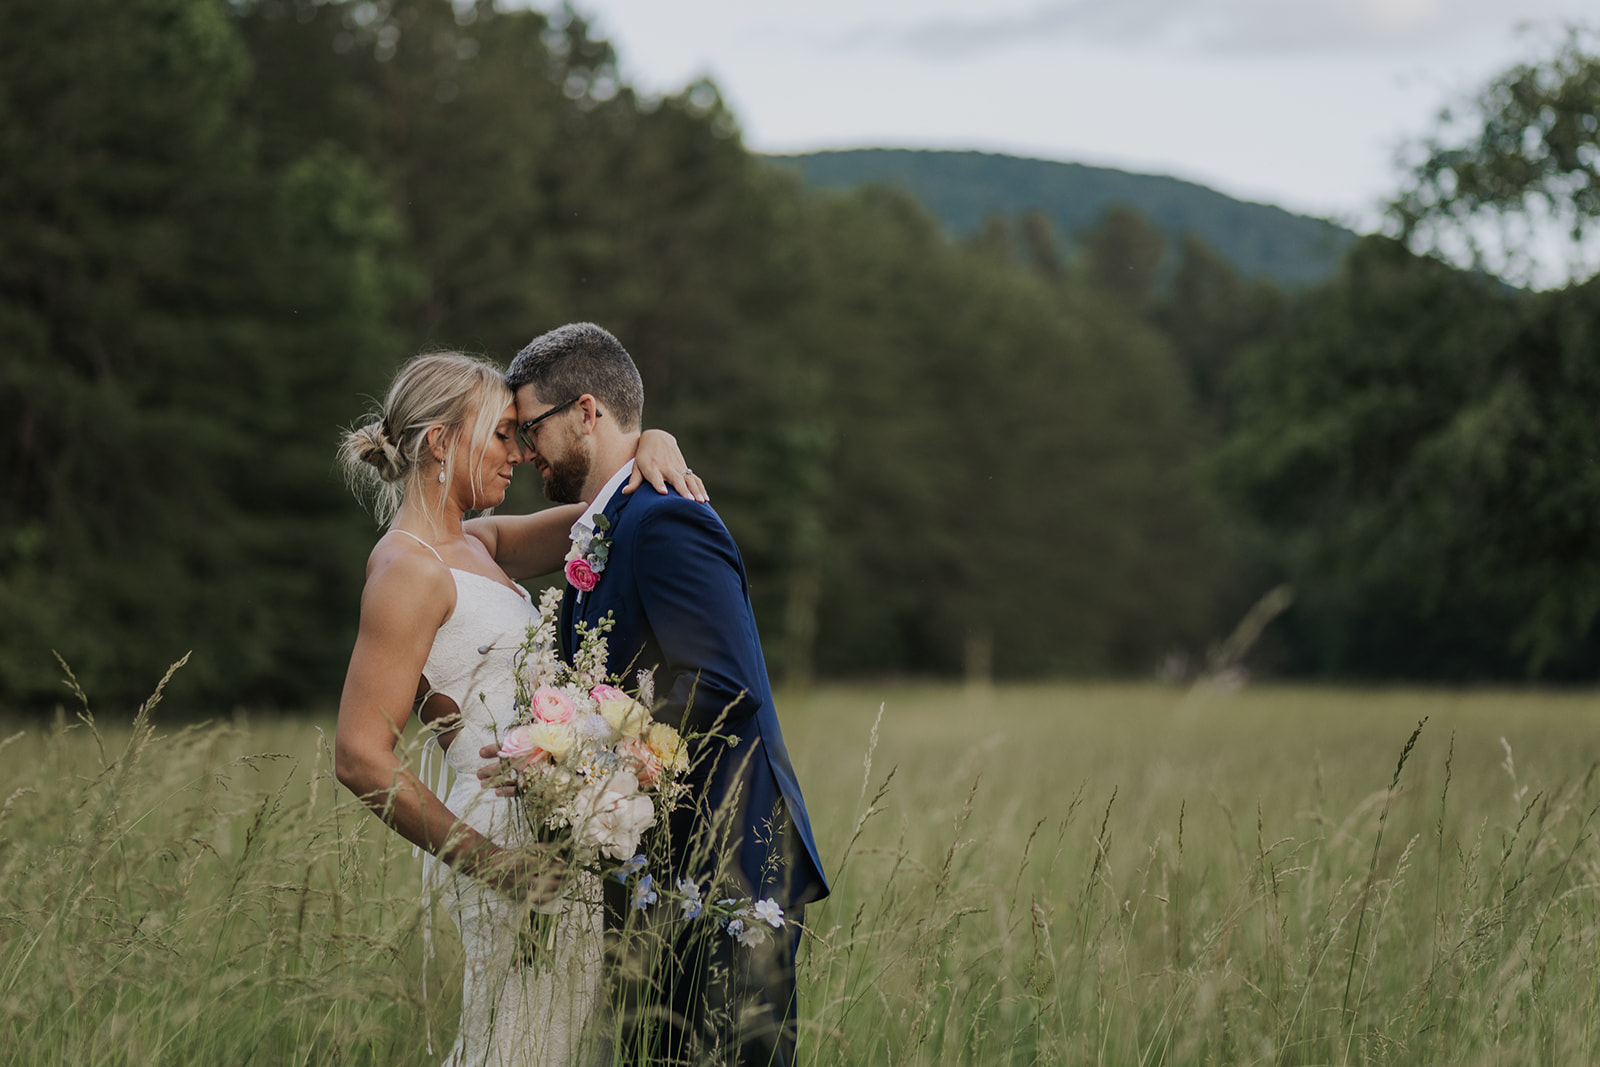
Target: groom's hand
[(495, 775)]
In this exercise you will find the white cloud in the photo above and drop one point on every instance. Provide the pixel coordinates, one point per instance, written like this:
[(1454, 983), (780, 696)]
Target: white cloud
[(1210, 26), (1303, 103)]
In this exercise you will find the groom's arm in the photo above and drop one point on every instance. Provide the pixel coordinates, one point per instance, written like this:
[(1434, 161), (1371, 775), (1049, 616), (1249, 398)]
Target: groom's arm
[(691, 587)]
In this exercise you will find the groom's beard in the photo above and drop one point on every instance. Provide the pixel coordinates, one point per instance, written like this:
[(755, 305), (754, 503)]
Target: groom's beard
[(564, 479)]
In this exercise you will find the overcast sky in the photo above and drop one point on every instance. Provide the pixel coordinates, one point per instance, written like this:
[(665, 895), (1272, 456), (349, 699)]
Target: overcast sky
[(1302, 103)]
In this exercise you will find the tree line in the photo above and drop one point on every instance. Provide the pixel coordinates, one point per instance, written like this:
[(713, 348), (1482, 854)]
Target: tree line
[(227, 224)]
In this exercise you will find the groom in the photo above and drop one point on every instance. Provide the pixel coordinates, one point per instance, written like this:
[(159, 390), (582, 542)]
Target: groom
[(674, 584)]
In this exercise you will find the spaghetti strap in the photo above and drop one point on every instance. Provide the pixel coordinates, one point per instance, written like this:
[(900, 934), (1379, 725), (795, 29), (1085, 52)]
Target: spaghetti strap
[(423, 543)]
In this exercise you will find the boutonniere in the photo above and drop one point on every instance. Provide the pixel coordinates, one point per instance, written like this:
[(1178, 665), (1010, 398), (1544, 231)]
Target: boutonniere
[(586, 560)]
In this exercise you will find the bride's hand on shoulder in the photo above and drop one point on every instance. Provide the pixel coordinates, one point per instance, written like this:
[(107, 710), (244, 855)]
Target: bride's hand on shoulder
[(659, 462)]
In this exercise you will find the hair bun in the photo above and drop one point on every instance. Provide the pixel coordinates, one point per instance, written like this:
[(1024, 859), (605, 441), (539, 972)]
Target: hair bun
[(370, 444)]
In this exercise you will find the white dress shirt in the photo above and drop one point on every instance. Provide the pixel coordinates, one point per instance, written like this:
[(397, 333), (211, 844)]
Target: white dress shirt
[(584, 527)]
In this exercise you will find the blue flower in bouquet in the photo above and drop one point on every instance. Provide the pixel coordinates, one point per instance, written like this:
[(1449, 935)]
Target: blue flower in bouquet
[(644, 893), (629, 868), (769, 912), (692, 904)]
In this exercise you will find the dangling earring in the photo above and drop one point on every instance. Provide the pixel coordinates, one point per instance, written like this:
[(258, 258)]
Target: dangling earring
[(441, 474)]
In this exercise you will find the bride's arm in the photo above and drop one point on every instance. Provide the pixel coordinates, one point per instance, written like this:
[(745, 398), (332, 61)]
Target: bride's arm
[(405, 600), (526, 546), (658, 461)]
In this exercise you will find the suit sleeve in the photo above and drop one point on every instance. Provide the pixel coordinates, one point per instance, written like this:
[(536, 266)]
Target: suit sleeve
[(691, 584)]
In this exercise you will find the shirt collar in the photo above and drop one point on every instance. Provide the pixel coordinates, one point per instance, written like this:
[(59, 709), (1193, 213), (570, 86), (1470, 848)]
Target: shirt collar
[(584, 527)]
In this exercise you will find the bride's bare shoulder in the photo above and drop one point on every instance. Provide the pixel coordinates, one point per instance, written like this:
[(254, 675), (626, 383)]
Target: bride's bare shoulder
[(402, 566)]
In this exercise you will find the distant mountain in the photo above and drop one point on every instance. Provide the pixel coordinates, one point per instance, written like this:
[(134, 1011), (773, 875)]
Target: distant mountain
[(962, 189)]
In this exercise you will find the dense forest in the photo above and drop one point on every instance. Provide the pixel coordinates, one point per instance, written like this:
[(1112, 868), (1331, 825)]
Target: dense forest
[(227, 223)]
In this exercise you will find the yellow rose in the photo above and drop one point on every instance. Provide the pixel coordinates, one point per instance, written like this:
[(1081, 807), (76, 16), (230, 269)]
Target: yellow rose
[(624, 714), (555, 738), (668, 747)]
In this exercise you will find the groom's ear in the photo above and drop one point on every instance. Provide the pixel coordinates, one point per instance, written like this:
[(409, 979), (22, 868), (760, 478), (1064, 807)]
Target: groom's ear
[(590, 412)]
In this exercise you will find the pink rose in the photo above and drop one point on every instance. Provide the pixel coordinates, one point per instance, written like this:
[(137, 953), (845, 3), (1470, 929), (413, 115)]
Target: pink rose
[(552, 705), (519, 745), (580, 575), (607, 692), (647, 765)]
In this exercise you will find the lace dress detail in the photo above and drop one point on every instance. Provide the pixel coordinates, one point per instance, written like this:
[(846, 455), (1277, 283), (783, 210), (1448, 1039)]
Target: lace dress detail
[(512, 1014)]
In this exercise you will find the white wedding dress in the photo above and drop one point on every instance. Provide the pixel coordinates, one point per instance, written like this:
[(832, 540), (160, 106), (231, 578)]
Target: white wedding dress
[(513, 1014)]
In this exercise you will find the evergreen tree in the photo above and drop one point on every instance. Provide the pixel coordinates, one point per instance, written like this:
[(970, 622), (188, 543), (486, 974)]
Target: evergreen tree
[(1210, 314), (174, 320), (1123, 256)]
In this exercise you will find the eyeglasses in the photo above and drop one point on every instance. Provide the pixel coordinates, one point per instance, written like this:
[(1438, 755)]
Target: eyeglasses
[(527, 432)]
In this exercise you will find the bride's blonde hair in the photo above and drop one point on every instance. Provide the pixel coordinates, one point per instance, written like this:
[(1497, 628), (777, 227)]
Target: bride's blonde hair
[(383, 458)]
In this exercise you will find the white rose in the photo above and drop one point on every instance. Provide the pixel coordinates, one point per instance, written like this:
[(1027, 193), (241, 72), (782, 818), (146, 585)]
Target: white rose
[(611, 815)]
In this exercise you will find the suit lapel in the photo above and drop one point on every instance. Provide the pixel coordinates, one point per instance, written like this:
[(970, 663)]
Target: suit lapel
[(572, 610), (613, 508)]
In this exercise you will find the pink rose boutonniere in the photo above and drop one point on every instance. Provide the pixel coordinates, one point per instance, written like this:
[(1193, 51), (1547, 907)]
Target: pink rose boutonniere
[(580, 575), (586, 561)]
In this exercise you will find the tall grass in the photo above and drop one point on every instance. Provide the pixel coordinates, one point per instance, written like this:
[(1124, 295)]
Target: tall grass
[(1280, 877), (1053, 874), (195, 896)]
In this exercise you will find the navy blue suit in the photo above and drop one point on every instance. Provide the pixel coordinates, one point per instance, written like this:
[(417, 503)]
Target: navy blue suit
[(676, 589)]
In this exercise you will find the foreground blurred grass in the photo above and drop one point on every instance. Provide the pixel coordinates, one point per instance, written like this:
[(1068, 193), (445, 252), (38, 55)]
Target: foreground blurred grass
[(1052, 874)]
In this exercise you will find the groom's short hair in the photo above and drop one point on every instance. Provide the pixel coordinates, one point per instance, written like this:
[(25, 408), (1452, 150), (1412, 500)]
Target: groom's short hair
[(579, 358)]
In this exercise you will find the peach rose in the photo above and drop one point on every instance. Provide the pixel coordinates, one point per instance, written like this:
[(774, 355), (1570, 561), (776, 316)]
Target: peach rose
[(518, 745), (552, 705), (647, 766)]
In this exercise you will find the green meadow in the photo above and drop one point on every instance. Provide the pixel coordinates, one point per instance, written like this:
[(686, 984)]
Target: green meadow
[(1075, 874)]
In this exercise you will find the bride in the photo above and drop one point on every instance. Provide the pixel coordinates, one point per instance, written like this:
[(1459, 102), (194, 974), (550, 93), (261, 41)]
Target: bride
[(439, 620)]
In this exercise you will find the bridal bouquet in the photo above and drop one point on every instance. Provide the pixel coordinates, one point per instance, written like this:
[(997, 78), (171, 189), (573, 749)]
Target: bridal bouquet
[(588, 762), (590, 766)]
